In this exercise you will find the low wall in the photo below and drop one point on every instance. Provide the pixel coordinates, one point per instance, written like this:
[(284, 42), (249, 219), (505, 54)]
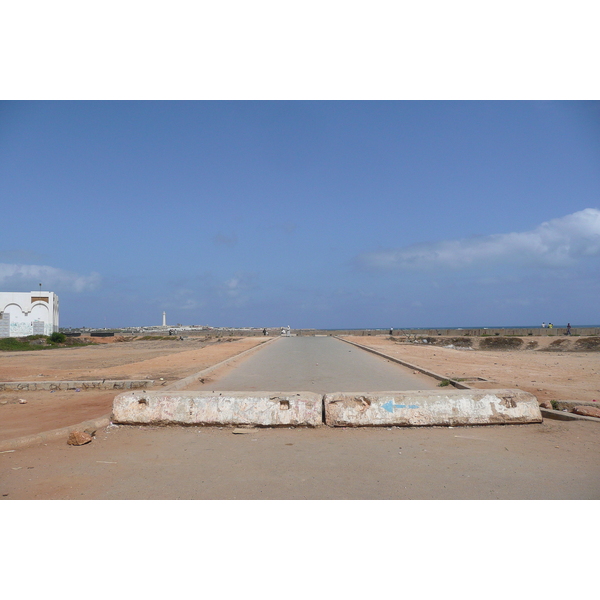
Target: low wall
[(102, 384), (477, 332)]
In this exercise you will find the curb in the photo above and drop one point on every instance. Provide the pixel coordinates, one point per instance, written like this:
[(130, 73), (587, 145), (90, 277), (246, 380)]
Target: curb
[(560, 415), (67, 384), (53, 434), (456, 384)]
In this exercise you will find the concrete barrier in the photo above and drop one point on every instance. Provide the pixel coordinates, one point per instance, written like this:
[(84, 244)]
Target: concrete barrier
[(262, 409), (431, 407)]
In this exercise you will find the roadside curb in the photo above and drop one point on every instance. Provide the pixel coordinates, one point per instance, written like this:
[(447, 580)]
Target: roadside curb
[(561, 415), (53, 434), (456, 384)]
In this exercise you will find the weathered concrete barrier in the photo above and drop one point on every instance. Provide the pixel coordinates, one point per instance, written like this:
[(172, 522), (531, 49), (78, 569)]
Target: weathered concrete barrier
[(427, 407), (266, 409)]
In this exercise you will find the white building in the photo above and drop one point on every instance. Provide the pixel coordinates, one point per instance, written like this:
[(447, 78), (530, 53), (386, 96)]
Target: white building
[(28, 313)]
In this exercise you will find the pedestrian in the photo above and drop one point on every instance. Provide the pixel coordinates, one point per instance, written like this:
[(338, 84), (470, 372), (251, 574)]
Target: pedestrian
[(550, 326), (265, 331), (568, 328), (392, 331), (544, 325)]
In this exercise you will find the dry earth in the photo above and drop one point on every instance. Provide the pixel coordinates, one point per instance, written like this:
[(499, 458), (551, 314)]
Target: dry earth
[(546, 373), (46, 410)]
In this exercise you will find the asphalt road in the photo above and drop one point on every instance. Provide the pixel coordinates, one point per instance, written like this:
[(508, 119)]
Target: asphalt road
[(317, 364)]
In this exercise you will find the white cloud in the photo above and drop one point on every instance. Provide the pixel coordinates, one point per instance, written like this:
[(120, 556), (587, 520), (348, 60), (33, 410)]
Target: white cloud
[(236, 289), (556, 243), (50, 277)]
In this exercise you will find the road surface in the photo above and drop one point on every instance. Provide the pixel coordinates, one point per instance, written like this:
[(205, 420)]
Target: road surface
[(316, 364)]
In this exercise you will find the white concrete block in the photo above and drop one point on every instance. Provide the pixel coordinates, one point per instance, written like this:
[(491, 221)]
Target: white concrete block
[(269, 409), (431, 407)]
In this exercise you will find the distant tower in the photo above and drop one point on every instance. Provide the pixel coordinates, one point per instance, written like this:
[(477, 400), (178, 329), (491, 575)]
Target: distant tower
[(164, 319)]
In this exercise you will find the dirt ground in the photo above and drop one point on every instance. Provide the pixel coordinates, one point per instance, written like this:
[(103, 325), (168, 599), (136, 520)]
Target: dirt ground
[(547, 374), (46, 410), (551, 460)]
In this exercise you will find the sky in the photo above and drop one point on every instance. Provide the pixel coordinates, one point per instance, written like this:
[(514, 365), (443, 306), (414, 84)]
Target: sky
[(324, 214)]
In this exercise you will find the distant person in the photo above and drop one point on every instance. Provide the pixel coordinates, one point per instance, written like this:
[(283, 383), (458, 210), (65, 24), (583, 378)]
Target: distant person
[(392, 331), (550, 326), (544, 325), (265, 331), (568, 328)]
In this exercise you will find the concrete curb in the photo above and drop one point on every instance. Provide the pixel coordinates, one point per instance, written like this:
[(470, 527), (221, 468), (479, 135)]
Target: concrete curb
[(560, 415), (53, 434), (98, 384), (456, 384), (179, 385)]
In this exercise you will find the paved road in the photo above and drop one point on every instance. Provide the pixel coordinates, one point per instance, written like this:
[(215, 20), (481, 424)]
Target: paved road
[(317, 364)]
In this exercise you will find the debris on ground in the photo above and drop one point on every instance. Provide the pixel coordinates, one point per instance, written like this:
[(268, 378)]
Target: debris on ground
[(587, 411), (79, 438)]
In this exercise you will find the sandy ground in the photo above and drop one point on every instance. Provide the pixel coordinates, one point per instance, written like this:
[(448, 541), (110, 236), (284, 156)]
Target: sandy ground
[(46, 410), (548, 375), (551, 460)]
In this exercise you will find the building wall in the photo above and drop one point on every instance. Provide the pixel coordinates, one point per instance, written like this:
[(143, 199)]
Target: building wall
[(28, 313)]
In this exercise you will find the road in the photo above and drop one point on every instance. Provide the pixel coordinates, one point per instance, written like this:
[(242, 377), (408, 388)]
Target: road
[(317, 364)]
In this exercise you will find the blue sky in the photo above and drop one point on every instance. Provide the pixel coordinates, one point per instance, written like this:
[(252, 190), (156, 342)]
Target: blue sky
[(308, 213)]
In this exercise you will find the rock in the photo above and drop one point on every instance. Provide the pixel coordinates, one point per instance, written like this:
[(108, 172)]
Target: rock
[(79, 438), (587, 411), (90, 431), (546, 404), (22, 401)]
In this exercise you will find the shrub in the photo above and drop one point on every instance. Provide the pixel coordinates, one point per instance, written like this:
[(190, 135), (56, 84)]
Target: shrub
[(588, 344), (57, 338), (501, 343)]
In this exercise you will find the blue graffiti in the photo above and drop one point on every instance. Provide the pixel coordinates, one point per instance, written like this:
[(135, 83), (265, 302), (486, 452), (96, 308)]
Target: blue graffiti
[(390, 406)]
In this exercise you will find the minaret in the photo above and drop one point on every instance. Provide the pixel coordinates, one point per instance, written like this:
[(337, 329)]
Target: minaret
[(164, 318)]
